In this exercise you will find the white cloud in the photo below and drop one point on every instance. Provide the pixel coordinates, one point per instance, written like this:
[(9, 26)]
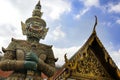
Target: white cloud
[(9, 22), (106, 24), (113, 53), (87, 5), (116, 57), (118, 21), (7, 29), (55, 8), (52, 9), (90, 3), (57, 33), (114, 7), (8, 14), (10, 18), (81, 13), (60, 52), (24, 7)]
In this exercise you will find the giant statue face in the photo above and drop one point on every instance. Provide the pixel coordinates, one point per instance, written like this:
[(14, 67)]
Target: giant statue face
[(34, 27)]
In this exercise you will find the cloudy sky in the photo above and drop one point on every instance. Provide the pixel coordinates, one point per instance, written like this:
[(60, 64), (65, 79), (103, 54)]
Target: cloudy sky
[(70, 22)]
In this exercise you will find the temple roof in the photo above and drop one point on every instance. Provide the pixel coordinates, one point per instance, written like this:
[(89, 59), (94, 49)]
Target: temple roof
[(95, 45), (5, 74)]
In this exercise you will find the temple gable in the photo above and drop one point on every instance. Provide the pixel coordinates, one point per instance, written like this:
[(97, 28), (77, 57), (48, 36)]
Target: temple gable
[(90, 62)]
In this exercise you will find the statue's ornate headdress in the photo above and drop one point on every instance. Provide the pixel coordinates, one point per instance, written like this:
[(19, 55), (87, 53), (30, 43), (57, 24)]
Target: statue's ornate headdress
[(35, 26)]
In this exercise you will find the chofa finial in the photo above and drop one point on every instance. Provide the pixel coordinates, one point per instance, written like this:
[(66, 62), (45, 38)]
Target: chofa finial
[(95, 24)]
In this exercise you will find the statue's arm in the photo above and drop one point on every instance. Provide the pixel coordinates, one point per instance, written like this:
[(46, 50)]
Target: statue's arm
[(9, 61), (47, 66), (9, 65)]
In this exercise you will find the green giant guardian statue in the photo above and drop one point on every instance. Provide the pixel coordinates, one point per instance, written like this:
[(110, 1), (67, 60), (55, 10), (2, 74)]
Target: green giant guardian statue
[(29, 58)]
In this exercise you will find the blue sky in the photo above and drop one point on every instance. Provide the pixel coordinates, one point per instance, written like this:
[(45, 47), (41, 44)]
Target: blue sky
[(70, 22)]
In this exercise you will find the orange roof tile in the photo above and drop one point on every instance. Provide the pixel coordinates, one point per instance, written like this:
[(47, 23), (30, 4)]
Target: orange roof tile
[(5, 74)]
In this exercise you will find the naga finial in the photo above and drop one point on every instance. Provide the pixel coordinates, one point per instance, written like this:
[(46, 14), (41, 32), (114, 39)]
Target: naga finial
[(95, 24)]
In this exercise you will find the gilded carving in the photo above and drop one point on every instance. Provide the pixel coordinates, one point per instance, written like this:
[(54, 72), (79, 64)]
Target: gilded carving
[(90, 66), (85, 65)]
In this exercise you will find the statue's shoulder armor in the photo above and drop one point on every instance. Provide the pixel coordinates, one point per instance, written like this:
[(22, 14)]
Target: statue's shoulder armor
[(45, 46), (18, 41), (13, 44)]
